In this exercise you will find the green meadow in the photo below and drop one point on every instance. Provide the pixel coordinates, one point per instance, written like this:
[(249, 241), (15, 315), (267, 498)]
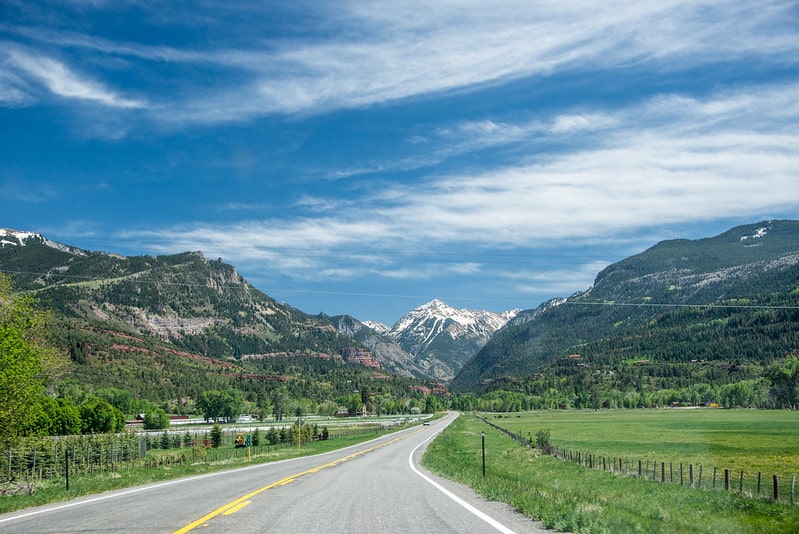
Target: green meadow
[(764, 441), (570, 496)]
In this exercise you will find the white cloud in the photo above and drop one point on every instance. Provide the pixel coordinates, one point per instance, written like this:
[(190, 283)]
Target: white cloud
[(660, 165), (64, 82), (366, 53), (562, 281)]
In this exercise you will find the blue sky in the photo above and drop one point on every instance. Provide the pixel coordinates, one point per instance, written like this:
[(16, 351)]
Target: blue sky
[(366, 157)]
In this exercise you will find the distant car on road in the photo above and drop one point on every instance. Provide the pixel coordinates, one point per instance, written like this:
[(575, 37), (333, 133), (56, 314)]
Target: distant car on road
[(426, 423)]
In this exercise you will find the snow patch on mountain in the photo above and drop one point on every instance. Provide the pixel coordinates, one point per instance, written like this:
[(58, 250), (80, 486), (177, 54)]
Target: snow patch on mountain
[(378, 327), (439, 311), (760, 232), (20, 238), (442, 338)]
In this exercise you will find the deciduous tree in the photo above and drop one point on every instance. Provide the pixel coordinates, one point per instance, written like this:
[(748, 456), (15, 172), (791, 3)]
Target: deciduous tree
[(27, 360)]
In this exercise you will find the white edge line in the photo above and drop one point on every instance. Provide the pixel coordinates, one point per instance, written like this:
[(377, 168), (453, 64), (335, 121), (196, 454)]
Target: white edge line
[(482, 515), (80, 502)]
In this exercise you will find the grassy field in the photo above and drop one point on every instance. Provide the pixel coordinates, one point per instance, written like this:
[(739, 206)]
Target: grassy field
[(752, 440), (570, 497)]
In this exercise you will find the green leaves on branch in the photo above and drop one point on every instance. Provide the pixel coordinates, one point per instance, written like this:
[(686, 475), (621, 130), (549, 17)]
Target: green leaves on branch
[(216, 404), (27, 361)]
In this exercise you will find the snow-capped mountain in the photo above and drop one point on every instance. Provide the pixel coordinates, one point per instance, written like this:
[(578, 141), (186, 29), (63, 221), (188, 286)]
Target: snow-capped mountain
[(10, 237), (442, 338), (380, 328)]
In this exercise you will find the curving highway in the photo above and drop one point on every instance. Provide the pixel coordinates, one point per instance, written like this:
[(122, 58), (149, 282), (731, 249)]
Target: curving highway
[(372, 487)]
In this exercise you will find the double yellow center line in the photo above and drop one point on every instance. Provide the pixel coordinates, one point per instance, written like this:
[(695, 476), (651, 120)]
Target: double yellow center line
[(243, 501)]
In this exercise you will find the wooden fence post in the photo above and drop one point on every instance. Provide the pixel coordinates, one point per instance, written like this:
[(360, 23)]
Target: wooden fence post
[(727, 479), (663, 471), (639, 468), (776, 493)]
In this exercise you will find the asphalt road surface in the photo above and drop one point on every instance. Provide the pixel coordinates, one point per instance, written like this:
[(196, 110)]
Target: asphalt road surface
[(375, 487)]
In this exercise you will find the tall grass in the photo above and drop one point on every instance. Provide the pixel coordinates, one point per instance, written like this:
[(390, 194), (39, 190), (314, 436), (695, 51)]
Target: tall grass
[(568, 497)]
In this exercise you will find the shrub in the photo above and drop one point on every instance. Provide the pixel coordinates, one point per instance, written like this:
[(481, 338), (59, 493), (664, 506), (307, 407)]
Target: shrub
[(542, 442)]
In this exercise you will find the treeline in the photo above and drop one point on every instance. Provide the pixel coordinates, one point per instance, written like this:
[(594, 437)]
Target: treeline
[(577, 385)]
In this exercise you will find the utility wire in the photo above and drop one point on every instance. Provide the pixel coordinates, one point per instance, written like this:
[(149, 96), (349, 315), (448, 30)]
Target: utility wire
[(397, 295)]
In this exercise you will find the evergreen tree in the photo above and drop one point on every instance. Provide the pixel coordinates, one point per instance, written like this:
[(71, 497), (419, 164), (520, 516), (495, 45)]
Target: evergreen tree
[(165, 441), (216, 436)]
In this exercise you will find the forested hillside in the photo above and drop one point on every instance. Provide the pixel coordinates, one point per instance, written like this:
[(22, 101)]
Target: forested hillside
[(683, 314), (165, 329)]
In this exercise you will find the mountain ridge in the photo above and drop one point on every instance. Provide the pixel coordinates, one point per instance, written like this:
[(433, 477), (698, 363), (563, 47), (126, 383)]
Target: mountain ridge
[(747, 266), (148, 323)]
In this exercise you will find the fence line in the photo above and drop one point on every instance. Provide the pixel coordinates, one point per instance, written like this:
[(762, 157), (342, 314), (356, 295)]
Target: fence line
[(667, 472), (36, 459)]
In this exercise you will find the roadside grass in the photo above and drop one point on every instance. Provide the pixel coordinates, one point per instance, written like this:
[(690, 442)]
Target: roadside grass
[(54, 490), (568, 497)]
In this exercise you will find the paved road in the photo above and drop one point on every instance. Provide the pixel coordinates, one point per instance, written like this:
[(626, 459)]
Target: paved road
[(373, 487)]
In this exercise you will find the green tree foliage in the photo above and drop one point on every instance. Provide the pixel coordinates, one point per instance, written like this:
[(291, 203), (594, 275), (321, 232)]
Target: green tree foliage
[(430, 404), (27, 361), (784, 377), (155, 419), (280, 398), (56, 417), (216, 435), (272, 436), (119, 398), (366, 399), (98, 416), (216, 404)]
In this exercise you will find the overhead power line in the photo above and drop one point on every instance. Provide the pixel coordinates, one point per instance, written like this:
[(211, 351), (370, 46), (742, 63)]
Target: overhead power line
[(415, 296), (677, 305)]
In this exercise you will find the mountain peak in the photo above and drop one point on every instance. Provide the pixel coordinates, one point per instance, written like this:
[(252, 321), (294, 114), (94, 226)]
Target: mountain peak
[(441, 338), (19, 237), (378, 327), (9, 237)]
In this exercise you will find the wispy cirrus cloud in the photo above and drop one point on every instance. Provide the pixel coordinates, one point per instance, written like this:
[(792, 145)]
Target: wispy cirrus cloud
[(658, 166), (64, 82), (365, 54), (397, 53)]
